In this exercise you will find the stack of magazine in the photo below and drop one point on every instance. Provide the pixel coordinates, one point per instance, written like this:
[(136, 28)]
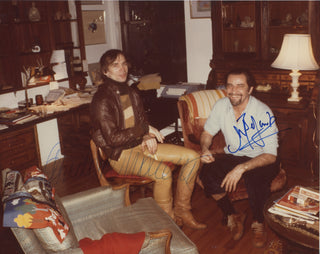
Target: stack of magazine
[(298, 204)]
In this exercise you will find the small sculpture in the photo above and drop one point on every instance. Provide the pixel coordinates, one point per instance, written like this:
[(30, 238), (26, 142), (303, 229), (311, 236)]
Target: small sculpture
[(303, 19), (247, 22), (34, 14)]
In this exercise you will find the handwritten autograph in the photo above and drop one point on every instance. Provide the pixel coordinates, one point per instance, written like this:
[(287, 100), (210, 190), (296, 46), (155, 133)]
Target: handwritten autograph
[(257, 137)]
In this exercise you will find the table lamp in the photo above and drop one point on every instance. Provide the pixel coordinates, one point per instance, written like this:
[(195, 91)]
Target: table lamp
[(295, 54)]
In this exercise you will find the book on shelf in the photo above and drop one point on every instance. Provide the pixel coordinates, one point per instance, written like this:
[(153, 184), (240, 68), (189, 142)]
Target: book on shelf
[(299, 203)]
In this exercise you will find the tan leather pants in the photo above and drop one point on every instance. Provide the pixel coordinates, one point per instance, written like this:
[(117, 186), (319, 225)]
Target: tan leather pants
[(135, 162)]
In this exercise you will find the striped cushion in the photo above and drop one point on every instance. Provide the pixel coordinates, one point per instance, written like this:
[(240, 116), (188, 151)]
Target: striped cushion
[(201, 102)]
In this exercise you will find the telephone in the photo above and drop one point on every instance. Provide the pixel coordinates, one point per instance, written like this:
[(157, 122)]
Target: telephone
[(55, 95)]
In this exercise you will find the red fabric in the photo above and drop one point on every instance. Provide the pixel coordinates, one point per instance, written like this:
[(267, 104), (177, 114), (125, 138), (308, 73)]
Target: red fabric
[(113, 173), (114, 243)]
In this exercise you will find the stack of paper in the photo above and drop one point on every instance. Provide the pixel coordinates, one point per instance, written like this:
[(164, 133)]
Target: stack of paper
[(12, 117), (298, 203)]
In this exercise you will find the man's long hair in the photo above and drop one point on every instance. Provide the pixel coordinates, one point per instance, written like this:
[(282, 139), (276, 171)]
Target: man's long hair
[(108, 58)]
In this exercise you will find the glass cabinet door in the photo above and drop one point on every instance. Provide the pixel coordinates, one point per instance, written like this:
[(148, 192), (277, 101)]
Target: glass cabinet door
[(239, 33), (283, 18)]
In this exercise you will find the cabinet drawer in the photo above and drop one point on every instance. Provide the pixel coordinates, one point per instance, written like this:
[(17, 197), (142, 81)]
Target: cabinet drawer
[(19, 160), (17, 139), (18, 149)]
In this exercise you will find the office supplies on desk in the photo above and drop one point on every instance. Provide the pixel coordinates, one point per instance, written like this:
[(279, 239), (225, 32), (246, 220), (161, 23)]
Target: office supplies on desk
[(54, 95), (177, 90), (15, 116)]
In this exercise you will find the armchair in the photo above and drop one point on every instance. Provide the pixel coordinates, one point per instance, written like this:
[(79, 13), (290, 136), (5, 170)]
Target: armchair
[(194, 109), (102, 210)]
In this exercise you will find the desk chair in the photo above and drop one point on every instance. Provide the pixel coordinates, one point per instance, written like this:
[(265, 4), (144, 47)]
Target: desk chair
[(111, 177)]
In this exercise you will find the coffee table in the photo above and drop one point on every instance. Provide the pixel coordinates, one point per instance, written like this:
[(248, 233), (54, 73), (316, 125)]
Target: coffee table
[(308, 242)]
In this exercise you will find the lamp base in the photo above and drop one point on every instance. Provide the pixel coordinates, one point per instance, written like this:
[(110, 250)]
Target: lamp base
[(295, 74), (294, 99)]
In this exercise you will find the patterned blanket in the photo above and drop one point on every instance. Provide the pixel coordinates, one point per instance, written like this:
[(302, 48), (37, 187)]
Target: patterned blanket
[(29, 202)]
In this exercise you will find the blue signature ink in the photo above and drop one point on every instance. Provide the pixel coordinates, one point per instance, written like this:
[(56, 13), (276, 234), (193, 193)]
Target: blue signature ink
[(257, 137), (54, 153), (53, 157)]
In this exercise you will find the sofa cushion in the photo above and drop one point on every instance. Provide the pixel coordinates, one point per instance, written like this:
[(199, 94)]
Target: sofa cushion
[(115, 242), (144, 215)]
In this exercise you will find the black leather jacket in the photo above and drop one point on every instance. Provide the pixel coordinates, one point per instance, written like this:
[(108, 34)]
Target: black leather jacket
[(108, 131)]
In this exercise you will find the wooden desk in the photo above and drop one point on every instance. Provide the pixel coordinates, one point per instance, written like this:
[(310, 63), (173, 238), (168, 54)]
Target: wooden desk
[(308, 243), (19, 147)]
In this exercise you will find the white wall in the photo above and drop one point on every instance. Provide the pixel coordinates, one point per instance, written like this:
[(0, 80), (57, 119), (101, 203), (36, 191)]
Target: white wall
[(199, 46), (49, 142)]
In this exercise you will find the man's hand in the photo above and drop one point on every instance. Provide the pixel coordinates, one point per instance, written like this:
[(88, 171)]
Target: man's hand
[(155, 133), (206, 157), (205, 143), (149, 143), (232, 178)]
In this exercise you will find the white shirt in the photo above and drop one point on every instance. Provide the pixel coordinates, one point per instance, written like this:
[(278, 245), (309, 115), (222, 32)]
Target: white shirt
[(254, 133)]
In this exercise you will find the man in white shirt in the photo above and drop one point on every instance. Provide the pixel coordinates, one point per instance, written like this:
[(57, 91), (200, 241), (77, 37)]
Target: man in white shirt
[(250, 132)]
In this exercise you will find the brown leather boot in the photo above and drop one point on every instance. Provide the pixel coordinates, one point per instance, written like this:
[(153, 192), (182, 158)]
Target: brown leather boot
[(167, 207), (259, 235), (182, 206), (236, 225)]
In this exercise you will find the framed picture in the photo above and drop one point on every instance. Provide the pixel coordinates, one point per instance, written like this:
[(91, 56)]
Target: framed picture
[(200, 9), (94, 27)]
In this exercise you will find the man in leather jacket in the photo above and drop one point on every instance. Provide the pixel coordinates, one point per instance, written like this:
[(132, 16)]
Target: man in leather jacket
[(121, 130)]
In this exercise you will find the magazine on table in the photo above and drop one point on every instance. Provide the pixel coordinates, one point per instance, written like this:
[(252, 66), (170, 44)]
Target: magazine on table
[(299, 203)]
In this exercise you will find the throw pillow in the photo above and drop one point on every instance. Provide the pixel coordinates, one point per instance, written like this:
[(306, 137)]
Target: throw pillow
[(33, 205)]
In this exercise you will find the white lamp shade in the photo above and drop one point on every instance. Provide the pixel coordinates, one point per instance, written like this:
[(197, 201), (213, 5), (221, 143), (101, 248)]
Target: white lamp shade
[(296, 53)]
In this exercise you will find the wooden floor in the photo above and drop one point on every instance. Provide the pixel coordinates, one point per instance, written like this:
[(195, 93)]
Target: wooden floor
[(76, 172)]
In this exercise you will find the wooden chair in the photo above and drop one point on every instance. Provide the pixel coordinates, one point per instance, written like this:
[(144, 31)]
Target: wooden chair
[(111, 177), (194, 109)]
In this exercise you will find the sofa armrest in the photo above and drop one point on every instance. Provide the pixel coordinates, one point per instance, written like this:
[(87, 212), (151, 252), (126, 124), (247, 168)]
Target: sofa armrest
[(94, 202), (157, 242)]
